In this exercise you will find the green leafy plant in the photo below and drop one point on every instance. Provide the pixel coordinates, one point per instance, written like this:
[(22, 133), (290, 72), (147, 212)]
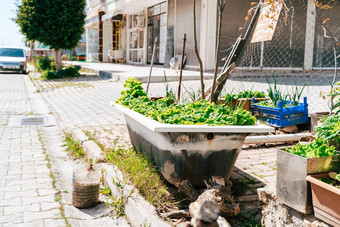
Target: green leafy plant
[(330, 128), (276, 95), (196, 113), (315, 149), (229, 97), (335, 96), (117, 204), (296, 94), (169, 92), (105, 191)]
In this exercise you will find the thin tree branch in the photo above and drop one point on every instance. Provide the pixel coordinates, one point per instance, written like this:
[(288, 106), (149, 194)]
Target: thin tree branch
[(197, 54)]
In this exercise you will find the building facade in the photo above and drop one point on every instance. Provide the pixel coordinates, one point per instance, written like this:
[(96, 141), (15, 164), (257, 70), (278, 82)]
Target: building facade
[(128, 28)]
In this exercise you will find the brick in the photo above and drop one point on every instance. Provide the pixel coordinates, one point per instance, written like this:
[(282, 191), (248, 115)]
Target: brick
[(8, 210), (54, 222), (12, 219), (31, 216), (49, 206)]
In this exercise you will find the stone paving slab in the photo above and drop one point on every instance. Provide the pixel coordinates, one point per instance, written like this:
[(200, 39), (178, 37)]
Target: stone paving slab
[(20, 196)]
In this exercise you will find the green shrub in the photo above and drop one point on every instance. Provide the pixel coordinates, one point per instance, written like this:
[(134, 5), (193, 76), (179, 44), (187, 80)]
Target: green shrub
[(44, 63), (63, 73)]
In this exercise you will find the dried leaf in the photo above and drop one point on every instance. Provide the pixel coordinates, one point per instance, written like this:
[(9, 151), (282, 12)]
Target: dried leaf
[(253, 4), (246, 18), (240, 29), (326, 20)]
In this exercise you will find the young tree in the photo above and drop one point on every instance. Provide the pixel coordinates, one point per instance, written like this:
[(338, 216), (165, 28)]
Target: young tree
[(220, 8), (197, 53), (56, 23)]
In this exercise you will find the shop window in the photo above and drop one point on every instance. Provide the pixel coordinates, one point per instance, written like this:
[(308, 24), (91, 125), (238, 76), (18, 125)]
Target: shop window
[(136, 26), (157, 28)]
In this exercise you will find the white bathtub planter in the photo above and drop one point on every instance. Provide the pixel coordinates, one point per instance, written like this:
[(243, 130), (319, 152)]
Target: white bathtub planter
[(188, 152)]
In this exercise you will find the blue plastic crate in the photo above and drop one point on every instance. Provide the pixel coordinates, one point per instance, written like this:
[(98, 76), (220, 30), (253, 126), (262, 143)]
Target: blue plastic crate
[(282, 117)]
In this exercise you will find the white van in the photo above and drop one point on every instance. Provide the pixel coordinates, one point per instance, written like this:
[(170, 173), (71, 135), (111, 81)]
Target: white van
[(13, 59)]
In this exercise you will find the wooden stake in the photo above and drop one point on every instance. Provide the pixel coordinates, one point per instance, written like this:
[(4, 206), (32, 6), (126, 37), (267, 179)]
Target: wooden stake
[(152, 60), (181, 69)]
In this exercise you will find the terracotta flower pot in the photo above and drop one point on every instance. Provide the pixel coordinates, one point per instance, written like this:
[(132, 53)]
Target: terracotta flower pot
[(326, 199)]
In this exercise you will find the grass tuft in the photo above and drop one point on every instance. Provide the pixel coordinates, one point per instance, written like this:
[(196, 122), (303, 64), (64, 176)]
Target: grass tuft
[(139, 170), (73, 147)]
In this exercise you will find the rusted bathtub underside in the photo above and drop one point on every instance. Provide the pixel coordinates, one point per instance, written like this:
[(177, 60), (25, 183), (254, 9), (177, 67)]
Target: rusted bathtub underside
[(188, 152)]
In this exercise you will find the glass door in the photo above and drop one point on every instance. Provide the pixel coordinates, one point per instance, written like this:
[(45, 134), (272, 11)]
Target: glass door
[(136, 38), (157, 28)]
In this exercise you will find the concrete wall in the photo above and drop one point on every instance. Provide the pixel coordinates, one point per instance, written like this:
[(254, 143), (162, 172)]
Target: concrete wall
[(208, 34), (180, 15), (93, 3), (107, 39)]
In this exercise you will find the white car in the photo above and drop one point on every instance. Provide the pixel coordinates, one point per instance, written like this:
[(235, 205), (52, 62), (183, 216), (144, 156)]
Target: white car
[(13, 59)]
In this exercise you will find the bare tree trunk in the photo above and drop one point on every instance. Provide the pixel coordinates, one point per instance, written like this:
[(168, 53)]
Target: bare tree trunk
[(221, 6), (181, 69), (198, 55), (335, 72), (57, 59)]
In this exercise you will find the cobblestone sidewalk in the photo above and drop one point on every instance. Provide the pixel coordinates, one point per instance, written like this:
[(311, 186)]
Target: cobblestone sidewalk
[(27, 196), (36, 173)]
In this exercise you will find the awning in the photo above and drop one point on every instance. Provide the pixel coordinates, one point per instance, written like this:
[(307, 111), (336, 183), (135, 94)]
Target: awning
[(133, 6), (91, 24), (112, 16), (107, 16)]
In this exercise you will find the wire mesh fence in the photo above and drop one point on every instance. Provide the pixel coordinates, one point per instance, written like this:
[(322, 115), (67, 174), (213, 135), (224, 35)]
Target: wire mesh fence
[(300, 53)]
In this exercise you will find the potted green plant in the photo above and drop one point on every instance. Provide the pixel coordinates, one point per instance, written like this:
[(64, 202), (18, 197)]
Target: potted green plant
[(243, 98), (293, 166), (282, 109), (330, 130), (326, 197), (188, 141)]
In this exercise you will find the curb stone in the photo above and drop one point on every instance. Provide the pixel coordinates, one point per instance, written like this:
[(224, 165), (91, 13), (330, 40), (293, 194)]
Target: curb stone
[(79, 136), (138, 211), (93, 151)]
